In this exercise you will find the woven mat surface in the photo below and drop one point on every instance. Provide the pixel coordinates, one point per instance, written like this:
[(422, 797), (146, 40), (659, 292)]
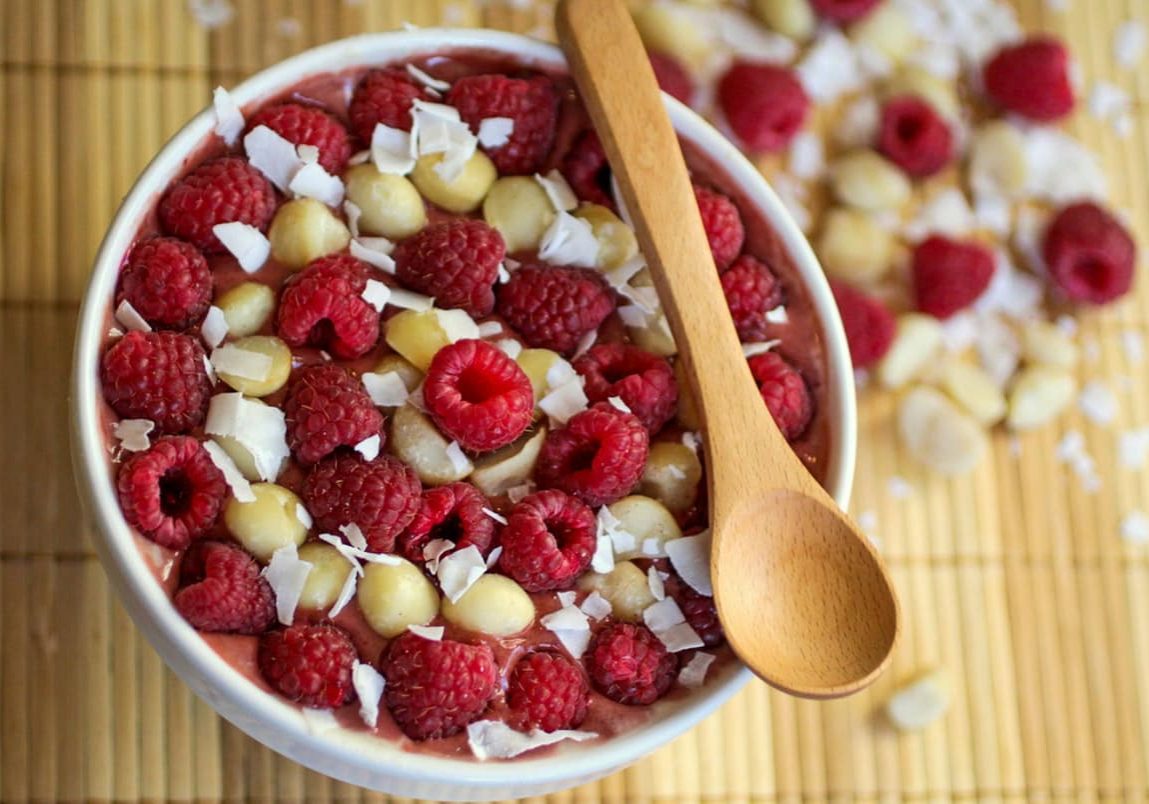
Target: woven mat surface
[(1015, 579)]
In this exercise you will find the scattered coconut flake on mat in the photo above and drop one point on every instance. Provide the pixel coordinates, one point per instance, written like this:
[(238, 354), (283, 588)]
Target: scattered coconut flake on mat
[(1135, 528)]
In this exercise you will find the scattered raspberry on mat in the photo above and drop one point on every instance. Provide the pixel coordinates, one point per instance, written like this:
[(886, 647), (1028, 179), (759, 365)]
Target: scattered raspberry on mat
[(1090, 255), (868, 322), (1032, 79), (914, 136), (949, 275), (765, 104)]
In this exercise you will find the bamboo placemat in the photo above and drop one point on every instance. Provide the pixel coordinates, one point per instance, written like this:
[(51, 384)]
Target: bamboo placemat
[(1015, 579)]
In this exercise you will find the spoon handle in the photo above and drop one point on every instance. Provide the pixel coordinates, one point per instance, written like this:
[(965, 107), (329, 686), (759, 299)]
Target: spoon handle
[(620, 92)]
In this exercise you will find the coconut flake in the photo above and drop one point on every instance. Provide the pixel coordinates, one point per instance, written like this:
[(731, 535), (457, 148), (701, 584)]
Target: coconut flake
[(566, 598), (353, 213), (559, 372), (569, 241), (778, 315), (759, 348), (319, 721), (239, 362), (1129, 42), (286, 574), (669, 624), (596, 606), (1062, 170), (434, 550), (510, 347), (617, 403), (1135, 528), (858, 125), (229, 121), (830, 68), (392, 150), (618, 277), (458, 572), (434, 633), (947, 213), (571, 627), (558, 190), (495, 515), (565, 401), (273, 156), (603, 559), (312, 181), (362, 249), (407, 300), (1133, 448), (633, 316), (133, 433), (1098, 402), (368, 684), (211, 13), (429, 81), (369, 447), (807, 156), (386, 390), (654, 581), (690, 557), (130, 318), (376, 294), (260, 429), (347, 591), (494, 132), (516, 494), (303, 516), (214, 327), (459, 460), (240, 487), (490, 329), (693, 673), (494, 739)]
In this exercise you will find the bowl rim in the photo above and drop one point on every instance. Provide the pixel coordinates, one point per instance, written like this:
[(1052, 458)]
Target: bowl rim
[(359, 757)]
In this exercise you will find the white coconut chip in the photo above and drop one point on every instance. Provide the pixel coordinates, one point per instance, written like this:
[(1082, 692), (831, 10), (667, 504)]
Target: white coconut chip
[(353, 213), (214, 327), (369, 447), (308, 153), (1135, 528), (286, 574), (830, 68), (319, 721), (510, 347), (759, 348), (654, 581), (239, 362), (376, 294), (429, 81), (495, 515), (1098, 402), (115, 332), (807, 156), (565, 402), (596, 606), (778, 315), (434, 633), (559, 372), (494, 739), (495, 132), (645, 298), (407, 300), (558, 190), (585, 343), (369, 685), (359, 158), (459, 571), (273, 156), (133, 433), (653, 548), (1061, 170), (229, 120), (569, 241), (571, 627), (490, 329), (693, 673), (458, 458), (494, 556), (239, 485), (434, 550), (1072, 451), (566, 598), (130, 318), (633, 317), (207, 367), (1129, 42), (303, 516), (947, 213), (386, 390), (516, 494), (362, 250), (211, 13), (312, 181), (260, 429), (620, 276), (392, 150), (663, 615), (690, 557), (603, 559)]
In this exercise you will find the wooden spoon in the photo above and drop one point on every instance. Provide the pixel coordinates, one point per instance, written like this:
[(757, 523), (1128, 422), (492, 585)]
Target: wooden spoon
[(802, 595)]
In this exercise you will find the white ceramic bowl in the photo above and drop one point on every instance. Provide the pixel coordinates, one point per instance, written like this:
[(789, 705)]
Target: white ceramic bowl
[(357, 757)]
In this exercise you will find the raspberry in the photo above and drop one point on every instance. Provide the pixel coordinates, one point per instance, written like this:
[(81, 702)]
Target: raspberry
[(326, 408), (629, 665), (587, 172), (547, 691), (223, 190), (381, 497), (1090, 255), (308, 125), (722, 223), (1032, 79), (434, 689), (764, 104), (553, 308), (478, 396), (915, 137), (172, 492), (598, 457), (158, 376), (673, 79), (869, 324), (222, 591), (456, 261), (751, 291), (323, 306), (453, 512), (643, 381), (310, 664), (548, 541), (383, 96), (949, 275), (843, 10), (785, 392), (700, 612), (167, 281), (533, 103)]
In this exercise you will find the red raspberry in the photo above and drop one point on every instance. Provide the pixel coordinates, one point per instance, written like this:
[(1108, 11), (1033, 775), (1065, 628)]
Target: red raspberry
[(1090, 254), (785, 392), (587, 172), (171, 492), (643, 381), (915, 137), (456, 261), (673, 79), (869, 324), (547, 691), (478, 396), (723, 225), (751, 291), (949, 275), (453, 512), (553, 308), (700, 612), (167, 281), (223, 190), (548, 541), (533, 103), (309, 664), (764, 104), (598, 457), (1032, 79), (628, 664), (222, 591), (159, 376), (383, 96), (327, 408), (843, 10), (381, 497), (434, 689), (308, 125), (323, 306)]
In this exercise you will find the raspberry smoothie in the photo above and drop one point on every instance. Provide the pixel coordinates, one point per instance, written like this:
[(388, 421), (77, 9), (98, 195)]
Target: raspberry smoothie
[(397, 419)]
